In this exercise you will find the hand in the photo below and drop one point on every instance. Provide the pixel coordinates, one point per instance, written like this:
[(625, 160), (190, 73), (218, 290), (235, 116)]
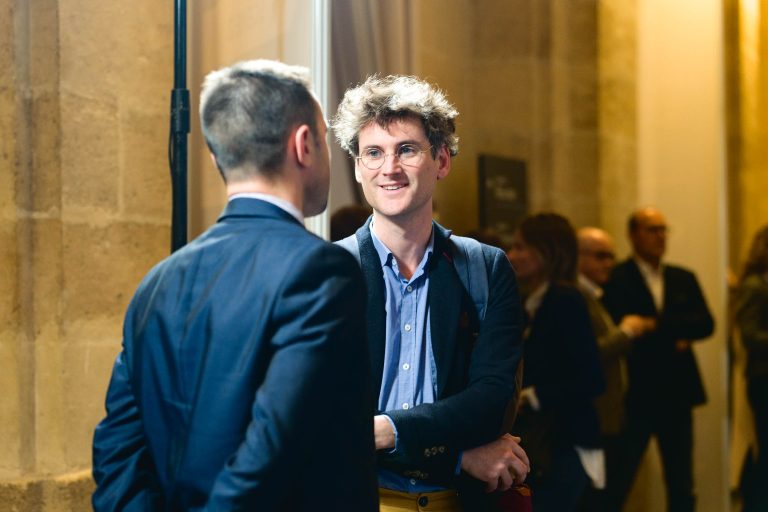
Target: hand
[(636, 325), (499, 464), (383, 433)]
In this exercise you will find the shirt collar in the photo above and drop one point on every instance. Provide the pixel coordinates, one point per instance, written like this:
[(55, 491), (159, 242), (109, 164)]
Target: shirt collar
[(646, 269), (590, 286), (385, 255), (533, 301), (280, 203)]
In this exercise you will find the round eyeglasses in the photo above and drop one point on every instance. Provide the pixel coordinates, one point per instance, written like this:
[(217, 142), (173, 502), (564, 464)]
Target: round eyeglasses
[(407, 154)]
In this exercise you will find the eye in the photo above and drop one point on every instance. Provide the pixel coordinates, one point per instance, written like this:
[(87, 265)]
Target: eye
[(374, 153), (407, 150)]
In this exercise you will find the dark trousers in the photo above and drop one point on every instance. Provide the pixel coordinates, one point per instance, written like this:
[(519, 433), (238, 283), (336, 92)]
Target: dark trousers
[(673, 428), (561, 488), (755, 484)]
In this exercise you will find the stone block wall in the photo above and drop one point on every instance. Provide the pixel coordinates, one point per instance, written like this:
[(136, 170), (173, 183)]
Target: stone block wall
[(84, 213), (523, 74)]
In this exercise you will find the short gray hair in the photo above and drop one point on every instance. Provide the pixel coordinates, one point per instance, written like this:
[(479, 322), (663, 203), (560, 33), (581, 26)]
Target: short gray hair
[(247, 111), (387, 99)]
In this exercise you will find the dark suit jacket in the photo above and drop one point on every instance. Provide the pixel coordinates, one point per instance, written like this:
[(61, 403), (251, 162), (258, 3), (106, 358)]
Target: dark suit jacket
[(562, 363), (475, 365), (244, 379), (660, 375)]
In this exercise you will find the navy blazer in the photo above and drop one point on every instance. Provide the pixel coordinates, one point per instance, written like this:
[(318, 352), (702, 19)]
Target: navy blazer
[(244, 379), (658, 373), (563, 364), (475, 364)]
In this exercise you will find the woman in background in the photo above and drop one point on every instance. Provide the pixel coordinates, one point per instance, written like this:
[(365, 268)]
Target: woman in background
[(562, 374), (751, 315)]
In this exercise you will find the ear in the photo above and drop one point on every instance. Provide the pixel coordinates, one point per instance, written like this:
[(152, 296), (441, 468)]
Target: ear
[(213, 159), (443, 159), (358, 178), (303, 145)]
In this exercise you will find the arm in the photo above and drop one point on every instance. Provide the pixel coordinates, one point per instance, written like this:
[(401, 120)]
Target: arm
[(687, 317), (475, 415), (752, 316), (574, 356), (319, 357), (122, 466)]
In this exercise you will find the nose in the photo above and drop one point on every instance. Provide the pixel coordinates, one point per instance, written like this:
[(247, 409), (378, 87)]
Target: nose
[(391, 164)]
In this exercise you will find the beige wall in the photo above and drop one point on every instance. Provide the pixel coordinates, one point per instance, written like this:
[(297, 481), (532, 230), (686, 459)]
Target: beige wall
[(748, 127), (523, 75), (223, 32), (681, 170), (83, 214)]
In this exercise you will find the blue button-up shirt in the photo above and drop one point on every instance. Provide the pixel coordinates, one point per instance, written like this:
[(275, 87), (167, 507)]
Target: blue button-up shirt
[(408, 377)]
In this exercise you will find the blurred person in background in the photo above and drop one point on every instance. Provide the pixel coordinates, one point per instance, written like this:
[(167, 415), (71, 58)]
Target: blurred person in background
[(558, 422), (751, 316), (597, 258), (664, 379)]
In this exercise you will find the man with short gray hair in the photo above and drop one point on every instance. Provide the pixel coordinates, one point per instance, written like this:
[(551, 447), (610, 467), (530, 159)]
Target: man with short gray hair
[(243, 383)]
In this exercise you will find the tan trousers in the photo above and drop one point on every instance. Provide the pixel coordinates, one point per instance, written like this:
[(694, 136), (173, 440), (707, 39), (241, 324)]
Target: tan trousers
[(440, 501)]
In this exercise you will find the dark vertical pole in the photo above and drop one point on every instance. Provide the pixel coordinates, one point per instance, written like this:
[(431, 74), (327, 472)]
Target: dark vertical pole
[(179, 127)]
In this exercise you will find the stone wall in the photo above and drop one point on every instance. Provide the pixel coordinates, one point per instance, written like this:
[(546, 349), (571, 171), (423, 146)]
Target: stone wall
[(84, 213), (523, 74)]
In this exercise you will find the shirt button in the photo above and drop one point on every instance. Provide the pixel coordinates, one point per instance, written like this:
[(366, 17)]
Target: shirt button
[(405, 405), (409, 288), (407, 327), (406, 366)]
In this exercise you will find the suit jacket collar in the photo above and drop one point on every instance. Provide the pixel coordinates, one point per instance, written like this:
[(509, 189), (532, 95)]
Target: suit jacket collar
[(250, 207), (644, 294), (444, 299)]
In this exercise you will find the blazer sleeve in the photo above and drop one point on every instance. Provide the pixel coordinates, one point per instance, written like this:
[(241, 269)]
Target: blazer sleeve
[(575, 348), (612, 342), (752, 316), (687, 317), (431, 436), (123, 469), (319, 358)]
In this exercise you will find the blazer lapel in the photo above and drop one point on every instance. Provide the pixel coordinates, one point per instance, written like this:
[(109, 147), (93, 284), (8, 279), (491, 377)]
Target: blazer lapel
[(445, 298), (644, 297), (376, 313)]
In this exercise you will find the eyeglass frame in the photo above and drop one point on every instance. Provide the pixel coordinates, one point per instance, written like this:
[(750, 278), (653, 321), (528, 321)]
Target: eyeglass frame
[(384, 159)]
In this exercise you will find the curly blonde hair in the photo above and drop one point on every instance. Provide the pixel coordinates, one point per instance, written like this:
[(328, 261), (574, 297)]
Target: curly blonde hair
[(383, 100)]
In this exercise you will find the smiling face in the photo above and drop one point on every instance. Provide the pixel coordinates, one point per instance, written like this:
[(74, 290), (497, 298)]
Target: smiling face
[(400, 191)]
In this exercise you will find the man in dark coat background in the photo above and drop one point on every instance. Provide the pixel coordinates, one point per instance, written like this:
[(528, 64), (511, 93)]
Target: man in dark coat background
[(664, 380)]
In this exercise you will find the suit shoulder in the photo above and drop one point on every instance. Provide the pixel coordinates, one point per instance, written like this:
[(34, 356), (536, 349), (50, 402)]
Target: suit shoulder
[(566, 294), (678, 271)]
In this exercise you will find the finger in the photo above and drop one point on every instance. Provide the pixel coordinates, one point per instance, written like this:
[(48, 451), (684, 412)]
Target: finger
[(506, 479), (519, 471), (519, 453)]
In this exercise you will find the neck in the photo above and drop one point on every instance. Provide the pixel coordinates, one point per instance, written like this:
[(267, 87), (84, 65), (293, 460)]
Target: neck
[(532, 284), (280, 188), (406, 238), (654, 262)]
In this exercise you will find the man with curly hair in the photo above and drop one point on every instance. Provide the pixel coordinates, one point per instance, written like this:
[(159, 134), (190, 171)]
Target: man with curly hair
[(443, 366)]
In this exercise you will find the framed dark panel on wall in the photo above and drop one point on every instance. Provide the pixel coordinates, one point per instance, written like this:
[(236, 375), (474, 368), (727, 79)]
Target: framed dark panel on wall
[(503, 188)]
